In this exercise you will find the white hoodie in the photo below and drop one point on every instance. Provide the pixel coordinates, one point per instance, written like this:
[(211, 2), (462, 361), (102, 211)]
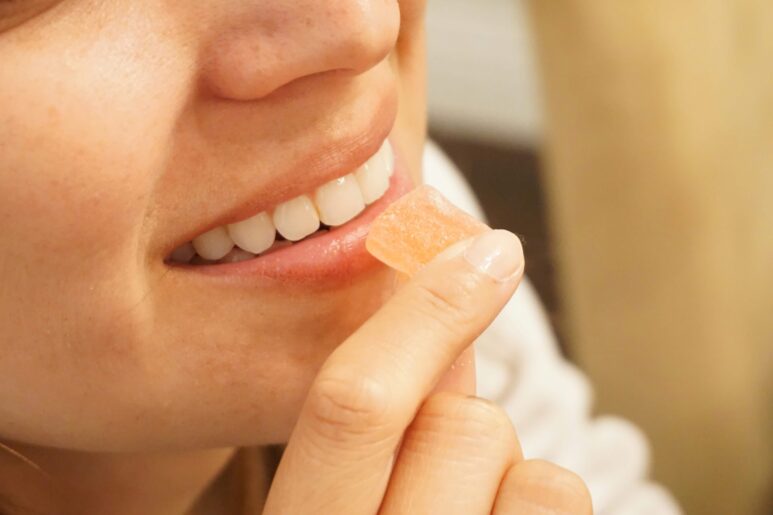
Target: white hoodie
[(549, 399)]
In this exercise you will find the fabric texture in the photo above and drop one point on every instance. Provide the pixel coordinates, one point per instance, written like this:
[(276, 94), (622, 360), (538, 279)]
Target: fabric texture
[(520, 366)]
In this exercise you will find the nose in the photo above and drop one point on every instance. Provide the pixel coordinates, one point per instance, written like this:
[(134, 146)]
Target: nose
[(271, 43)]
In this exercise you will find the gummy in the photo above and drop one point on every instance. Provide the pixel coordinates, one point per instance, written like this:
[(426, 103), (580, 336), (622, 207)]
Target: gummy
[(418, 226)]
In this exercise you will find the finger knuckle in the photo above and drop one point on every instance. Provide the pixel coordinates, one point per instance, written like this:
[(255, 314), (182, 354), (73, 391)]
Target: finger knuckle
[(479, 422), (345, 408)]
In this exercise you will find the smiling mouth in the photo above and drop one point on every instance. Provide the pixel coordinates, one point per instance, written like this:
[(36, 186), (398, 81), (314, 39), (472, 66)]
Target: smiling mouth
[(301, 218)]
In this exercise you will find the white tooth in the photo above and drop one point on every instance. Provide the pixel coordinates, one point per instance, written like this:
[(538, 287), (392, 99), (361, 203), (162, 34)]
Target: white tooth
[(254, 234), (373, 176), (296, 218), (213, 244), (388, 154), (339, 200), (183, 254)]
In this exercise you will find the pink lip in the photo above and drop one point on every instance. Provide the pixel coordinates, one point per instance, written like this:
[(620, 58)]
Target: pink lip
[(331, 258)]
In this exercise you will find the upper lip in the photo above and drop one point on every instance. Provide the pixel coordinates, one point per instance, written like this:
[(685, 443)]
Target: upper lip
[(322, 164)]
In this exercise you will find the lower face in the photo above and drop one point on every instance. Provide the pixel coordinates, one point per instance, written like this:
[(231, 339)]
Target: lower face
[(134, 132)]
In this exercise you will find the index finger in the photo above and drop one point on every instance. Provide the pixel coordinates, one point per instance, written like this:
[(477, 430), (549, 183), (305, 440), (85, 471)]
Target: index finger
[(370, 388)]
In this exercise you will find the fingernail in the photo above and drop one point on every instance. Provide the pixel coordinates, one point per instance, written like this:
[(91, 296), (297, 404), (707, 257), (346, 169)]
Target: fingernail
[(496, 253)]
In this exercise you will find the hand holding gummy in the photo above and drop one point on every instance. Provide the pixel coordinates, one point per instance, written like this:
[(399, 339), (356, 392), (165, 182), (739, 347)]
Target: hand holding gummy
[(392, 417), (408, 235)]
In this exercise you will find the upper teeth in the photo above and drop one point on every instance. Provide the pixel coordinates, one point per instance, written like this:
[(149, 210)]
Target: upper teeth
[(334, 203), (296, 218)]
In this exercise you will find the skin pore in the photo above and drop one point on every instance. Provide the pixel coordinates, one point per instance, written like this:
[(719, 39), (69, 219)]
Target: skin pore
[(127, 124)]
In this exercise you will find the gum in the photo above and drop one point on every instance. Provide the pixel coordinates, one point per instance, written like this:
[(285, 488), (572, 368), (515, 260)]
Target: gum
[(417, 227)]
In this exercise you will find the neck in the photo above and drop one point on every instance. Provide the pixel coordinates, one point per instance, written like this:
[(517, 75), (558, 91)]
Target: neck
[(129, 484)]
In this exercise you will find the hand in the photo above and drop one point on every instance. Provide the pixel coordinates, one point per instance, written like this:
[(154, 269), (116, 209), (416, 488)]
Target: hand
[(458, 454)]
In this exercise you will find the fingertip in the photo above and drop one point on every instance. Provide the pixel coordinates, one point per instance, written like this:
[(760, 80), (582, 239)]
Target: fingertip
[(497, 253)]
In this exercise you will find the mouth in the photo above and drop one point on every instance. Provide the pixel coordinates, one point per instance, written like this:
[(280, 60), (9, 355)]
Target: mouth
[(316, 235)]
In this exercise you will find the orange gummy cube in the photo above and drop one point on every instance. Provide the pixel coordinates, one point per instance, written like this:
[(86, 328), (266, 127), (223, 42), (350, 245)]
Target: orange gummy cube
[(417, 227)]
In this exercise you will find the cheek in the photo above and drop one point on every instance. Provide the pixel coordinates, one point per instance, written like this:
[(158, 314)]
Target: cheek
[(68, 194), (409, 62), (72, 198), (78, 157), (78, 164), (84, 127)]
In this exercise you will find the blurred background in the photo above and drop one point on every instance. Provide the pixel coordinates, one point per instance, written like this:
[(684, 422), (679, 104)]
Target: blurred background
[(631, 145)]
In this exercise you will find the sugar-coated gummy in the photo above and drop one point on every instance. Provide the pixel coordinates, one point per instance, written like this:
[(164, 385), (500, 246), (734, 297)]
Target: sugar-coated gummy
[(418, 226)]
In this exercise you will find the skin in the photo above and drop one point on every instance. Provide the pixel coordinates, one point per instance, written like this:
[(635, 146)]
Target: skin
[(127, 124)]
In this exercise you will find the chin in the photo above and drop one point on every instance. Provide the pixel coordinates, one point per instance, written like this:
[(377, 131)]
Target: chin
[(238, 375)]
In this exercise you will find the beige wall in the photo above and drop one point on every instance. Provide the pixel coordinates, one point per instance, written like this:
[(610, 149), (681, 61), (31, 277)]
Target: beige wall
[(660, 156)]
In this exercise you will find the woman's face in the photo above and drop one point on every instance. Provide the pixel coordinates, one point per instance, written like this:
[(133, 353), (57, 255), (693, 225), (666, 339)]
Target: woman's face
[(128, 128)]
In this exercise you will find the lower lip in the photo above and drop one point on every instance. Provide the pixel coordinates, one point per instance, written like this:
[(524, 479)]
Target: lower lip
[(334, 257)]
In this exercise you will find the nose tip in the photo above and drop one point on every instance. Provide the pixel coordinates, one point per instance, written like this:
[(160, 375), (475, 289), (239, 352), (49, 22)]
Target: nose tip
[(281, 42)]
